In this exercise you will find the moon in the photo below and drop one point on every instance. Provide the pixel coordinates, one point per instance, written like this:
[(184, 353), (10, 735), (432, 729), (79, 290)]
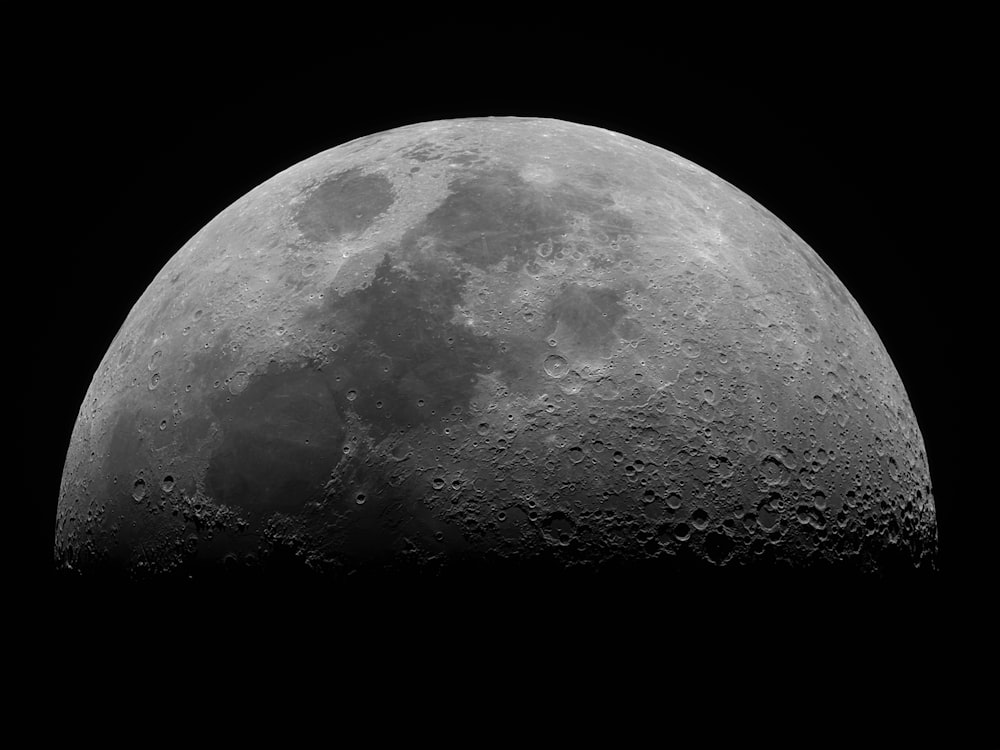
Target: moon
[(494, 341)]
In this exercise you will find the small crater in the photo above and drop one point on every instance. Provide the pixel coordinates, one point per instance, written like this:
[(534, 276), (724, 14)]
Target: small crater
[(690, 348), (820, 405), (558, 528), (238, 382), (769, 512), (718, 547), (555, 366), (773, 470), (699, 519), (819, 499)]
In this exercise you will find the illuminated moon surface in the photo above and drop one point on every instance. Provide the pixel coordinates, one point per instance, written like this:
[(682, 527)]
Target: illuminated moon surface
[(498, 341)]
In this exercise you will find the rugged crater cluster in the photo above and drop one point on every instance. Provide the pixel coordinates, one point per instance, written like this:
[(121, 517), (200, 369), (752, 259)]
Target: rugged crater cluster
[(494, 341)]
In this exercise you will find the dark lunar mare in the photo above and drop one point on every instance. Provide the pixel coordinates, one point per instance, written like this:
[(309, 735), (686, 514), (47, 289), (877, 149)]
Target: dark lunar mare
[(409, 364)]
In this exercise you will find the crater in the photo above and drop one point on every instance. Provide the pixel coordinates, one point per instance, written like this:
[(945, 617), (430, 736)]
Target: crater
[(587, 319)]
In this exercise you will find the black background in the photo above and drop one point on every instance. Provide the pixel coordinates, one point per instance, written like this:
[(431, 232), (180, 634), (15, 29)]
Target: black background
[(857, 153)]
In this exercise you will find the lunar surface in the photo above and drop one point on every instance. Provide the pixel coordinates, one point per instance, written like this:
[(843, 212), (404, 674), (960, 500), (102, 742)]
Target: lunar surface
[(494, 341)]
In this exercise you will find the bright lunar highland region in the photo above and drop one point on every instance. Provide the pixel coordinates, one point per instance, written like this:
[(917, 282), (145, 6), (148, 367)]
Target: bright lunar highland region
[(496, 342)]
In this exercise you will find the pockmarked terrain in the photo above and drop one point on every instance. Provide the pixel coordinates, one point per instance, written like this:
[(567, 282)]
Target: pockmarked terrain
[(494, 340)]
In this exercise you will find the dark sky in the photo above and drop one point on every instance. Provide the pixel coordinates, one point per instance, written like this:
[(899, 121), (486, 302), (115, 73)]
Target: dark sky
[(849, 155)]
